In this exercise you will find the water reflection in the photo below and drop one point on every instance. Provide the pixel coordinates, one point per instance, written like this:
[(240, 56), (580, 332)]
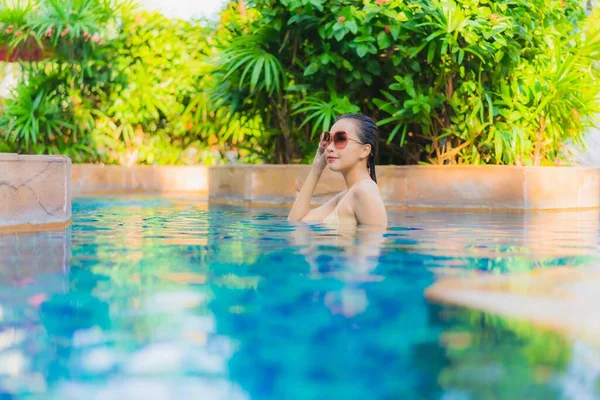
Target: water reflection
[(33, 268), (350, 255), (499, 242), (148, 298)]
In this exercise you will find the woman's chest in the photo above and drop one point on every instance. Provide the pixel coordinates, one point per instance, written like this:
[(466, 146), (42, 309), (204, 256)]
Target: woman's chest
[(345, 213)]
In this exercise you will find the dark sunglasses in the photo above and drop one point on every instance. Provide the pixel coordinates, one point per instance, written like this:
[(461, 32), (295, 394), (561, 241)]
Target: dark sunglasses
[(340, 139)]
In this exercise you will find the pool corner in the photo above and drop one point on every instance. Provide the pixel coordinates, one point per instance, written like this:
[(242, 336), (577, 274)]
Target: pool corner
[(35, 192)]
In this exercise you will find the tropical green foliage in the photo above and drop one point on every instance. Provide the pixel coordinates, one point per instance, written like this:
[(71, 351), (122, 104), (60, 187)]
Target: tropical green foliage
[(52, 108), (448, 81), (466, 81), (507, 83), (118, 86), (158, 69)]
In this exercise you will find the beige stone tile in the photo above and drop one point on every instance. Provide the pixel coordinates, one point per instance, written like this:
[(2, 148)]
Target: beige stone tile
[(588, 192), (92, 179), (282, 183), (392, 183), (9, 156), (182, 179), (116, 177), (228, 183), (561, 187), (453, 187), (276, 184), (482, 187), (144, 178), (34, 190)]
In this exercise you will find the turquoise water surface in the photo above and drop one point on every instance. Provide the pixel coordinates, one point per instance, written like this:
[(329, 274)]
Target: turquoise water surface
[(156, 298)]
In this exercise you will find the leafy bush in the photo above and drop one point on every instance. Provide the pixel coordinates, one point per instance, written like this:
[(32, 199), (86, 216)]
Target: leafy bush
[(53, 107), (156, 68), (121, 86), (449, 81), (512, 81), (466, 81)]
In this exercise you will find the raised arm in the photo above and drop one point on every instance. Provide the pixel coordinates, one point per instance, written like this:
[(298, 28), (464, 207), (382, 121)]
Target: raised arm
[(301, 206)]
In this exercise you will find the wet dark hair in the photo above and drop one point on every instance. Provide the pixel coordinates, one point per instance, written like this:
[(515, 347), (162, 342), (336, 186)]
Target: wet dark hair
[(369, 134)]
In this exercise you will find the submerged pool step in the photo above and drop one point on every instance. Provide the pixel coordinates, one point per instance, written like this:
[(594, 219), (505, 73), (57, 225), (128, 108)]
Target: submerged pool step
[(563, 299)]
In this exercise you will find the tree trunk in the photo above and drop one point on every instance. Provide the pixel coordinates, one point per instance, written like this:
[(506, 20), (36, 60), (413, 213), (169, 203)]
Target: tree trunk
[(283, 148)]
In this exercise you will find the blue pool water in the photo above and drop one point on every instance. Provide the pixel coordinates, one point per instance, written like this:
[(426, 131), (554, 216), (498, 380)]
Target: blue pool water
[(150, 298)]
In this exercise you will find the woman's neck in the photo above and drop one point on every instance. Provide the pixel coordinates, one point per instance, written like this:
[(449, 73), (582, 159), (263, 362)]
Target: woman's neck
[(355, 175)]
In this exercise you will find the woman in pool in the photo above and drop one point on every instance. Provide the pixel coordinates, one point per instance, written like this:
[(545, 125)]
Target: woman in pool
[(349, 148)]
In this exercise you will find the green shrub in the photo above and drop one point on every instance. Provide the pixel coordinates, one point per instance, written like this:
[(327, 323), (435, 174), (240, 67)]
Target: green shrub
[(452, 81), (53, 108), (120, 86), (467, 81)]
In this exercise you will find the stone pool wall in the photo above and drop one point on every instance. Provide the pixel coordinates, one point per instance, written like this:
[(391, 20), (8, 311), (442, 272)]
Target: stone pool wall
[(428, 187), (92, 179), (35, 192), (441, 187)]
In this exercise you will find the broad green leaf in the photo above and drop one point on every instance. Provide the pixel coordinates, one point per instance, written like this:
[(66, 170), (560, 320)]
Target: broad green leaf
[(339, 35), (498, 56), (362, 50), (351, 25), (395, 31), (312, 68), (384, 40), (318, 4)]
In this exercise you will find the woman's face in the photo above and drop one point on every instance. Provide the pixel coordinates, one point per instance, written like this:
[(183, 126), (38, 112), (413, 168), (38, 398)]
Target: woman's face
[(344, 159)]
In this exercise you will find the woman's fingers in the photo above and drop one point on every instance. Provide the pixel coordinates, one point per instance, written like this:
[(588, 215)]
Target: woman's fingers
[(322, 144)]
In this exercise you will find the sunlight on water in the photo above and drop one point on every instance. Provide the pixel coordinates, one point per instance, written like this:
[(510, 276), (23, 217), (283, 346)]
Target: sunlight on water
[(148, 298)]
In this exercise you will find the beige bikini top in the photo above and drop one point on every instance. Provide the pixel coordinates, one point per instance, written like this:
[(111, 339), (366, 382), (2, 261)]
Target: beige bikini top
[(333, 218)]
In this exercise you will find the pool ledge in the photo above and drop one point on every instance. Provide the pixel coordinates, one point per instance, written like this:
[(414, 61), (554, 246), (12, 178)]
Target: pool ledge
[(480, 188), (35, 192), (453, 187), (561, 299)]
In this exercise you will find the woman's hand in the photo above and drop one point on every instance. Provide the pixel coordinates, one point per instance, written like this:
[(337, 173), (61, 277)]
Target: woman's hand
[(301, 206), (320, 161)]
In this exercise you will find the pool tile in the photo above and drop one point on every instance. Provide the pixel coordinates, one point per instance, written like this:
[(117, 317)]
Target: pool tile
[(498, 187), (556, 188), (35, 191)]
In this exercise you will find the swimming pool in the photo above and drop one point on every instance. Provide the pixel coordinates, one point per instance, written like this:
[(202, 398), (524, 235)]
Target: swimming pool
[(156, 298)]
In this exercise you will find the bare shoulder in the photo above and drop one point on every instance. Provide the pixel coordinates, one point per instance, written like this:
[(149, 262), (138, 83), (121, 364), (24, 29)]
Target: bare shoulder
[(366, 193), (367, 188), (368, 204)]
